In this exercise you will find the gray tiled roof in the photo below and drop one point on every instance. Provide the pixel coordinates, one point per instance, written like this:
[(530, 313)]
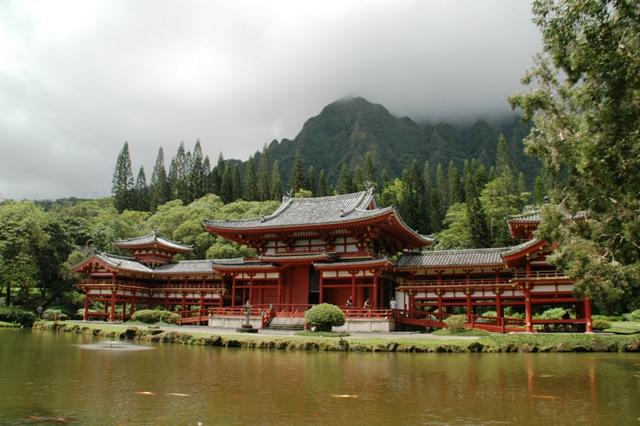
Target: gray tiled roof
[(354, 262), (150, 239), (525, 217), (449, 258), (186, 266), (462, 257), (310, 211), (121, 262)]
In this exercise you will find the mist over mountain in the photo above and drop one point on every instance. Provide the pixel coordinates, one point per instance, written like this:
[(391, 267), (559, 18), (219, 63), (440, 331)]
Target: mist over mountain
[(345, 130)]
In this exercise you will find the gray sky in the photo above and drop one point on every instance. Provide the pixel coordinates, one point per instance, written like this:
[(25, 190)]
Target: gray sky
[(78, 78)]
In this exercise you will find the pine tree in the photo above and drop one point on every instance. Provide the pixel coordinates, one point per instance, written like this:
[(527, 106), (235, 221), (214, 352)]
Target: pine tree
[(522, 186), (206, 170), (412, 208), (322, 185), (503, 157), (442, 196), (345, 182), (226, 184), (297, 178), (475, 180), (178, 175), (384, 177), (236, 183), (141, 192), (275, 185), (159, 187), (539, 189), (369, 171), (196, 178), (122, 186), (428, 197), (215, 177), (358, 179), (250, 183), (455, 193), (311, 180), (264, 192)]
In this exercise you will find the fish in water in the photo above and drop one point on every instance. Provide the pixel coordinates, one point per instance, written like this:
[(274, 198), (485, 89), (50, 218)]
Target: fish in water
[(41, 419), (343, 395), (176, 394), (147, 393)]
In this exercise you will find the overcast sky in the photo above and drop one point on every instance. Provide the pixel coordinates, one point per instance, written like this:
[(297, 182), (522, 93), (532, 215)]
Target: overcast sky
[(79, 78)]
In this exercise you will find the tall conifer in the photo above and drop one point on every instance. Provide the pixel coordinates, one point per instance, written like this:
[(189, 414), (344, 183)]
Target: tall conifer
[(322, 184), (250, 183), (122, 185), (236, 183), (141, 192), (263, 176), (345, 182), (297, 178), (159, 187), (276, 182)]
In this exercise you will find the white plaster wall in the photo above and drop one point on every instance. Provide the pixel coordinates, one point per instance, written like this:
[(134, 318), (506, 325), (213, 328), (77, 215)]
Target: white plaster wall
[(232, 322), (367, 326)]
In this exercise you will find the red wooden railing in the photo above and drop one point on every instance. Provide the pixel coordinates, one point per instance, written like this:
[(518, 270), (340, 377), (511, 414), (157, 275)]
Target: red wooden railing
[(195, 316), (352, 313)]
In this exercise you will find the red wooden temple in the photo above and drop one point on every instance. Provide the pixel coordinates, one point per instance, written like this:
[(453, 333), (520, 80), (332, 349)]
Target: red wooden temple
[(339, 250), (514, 283), (314, 250)]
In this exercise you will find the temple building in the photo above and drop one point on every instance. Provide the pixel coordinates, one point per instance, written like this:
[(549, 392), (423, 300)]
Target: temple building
[(343, 250), (509, 282)]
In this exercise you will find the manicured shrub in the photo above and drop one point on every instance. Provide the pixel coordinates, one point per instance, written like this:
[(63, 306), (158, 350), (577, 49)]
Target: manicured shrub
[(633, 316), (553, 313), (324, 316), (152, 316), (492, 314), (455, 323), (600, 324), (16, 315), (54, 315)]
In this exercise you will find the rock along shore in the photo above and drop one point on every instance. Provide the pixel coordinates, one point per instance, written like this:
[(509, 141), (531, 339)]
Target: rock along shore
[(488, 344)]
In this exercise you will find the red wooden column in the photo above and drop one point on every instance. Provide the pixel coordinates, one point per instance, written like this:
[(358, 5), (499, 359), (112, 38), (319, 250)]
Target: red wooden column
[(440, 307), (85, 314), (528, 313), (353, 289), (374, 301), (499, 311), (587, 314), (412, 304), (468, 293), (112, 314), (132, 308), (251, 288), (321, 288), (279, 296), (233, 290)]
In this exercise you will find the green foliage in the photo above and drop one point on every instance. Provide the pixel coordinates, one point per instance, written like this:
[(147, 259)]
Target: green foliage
[(553, 313), (17, 315), (324, 316), (122, 186), (457, 232), (633, 316), (600, 324), (310, 333), (455, 323), (52, 314), (583, 101), (153, 316)]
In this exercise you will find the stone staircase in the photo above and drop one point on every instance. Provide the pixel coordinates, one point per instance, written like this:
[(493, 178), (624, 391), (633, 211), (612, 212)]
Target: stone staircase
[(283, 323)]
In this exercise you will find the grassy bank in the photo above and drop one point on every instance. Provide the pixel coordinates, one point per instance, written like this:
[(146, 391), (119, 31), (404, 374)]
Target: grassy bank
[(489, 344)]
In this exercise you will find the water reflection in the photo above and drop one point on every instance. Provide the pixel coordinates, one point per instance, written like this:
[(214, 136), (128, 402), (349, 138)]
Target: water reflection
[(43, 374)]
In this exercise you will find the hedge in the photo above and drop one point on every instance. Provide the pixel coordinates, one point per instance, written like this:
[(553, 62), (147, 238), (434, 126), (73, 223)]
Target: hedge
[(17, 316), (152, 316)]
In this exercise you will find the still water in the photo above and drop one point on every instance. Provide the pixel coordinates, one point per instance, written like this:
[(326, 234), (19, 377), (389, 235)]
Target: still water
[(48, 376)]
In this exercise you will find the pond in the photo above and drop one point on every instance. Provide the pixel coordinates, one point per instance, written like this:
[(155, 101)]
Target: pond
[(52, 378)]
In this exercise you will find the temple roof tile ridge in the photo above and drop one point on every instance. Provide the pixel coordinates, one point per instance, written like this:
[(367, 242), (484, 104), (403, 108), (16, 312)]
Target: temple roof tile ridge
[(151, 239)]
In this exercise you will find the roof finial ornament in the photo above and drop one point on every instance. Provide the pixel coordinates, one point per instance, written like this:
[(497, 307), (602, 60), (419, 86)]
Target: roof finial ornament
[(369, 186), (287, 195), (154, 230)]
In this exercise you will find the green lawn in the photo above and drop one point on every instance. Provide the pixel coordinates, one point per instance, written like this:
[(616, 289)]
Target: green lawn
[(624, 327)]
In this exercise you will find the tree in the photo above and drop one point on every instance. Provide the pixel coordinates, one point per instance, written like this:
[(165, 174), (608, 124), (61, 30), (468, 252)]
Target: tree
[(264, 191), (412, 207), (369, 171), (311, 180), (455, 192), (236, 183), (586, 121), (276, 182), (322, 185), (250, 183), (226, 184), (159, 187), (122, 182), (141, 192), (324, 316), (196, 179), (297, 178), (178, 175), (345, 182)]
